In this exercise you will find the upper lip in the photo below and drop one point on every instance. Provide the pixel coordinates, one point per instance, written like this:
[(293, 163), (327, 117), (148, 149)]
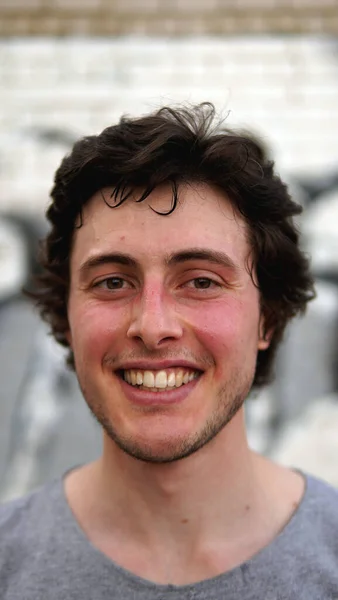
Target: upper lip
[(145, 365)]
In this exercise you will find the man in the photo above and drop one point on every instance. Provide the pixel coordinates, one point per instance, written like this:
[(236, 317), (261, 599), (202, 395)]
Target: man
[(171, 270)]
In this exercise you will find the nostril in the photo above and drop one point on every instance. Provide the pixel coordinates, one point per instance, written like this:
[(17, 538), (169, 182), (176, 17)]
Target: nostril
[(166, 339)]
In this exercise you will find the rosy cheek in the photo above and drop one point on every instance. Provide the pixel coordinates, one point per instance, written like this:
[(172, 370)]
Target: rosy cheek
[(217, 326), (96, 325)]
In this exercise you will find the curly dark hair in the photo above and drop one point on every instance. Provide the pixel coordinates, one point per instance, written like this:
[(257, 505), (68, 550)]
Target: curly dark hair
[(177, 146)]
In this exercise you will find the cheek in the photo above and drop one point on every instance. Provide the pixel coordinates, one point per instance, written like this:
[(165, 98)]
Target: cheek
[(227, 328), (217, 326), (94, 327)]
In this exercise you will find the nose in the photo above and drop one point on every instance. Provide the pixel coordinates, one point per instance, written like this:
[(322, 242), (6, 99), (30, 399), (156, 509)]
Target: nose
[(154, 319)]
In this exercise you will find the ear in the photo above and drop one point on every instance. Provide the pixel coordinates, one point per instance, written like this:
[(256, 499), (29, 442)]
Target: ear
[(264, 337)]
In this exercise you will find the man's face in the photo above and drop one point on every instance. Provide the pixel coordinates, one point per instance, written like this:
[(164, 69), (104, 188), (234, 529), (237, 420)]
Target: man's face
[(164, 319)]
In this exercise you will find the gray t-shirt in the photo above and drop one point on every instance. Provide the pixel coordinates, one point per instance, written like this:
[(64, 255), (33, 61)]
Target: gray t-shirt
[(44, 555)]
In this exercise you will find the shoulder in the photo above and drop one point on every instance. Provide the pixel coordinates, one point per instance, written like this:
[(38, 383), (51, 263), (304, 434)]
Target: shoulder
[(20, 506), (317, 515), (321, 498), (24, 519), (36, 545)]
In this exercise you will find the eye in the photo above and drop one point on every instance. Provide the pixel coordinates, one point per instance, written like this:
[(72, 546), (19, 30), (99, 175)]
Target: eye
[(112, 283), (203, 283)]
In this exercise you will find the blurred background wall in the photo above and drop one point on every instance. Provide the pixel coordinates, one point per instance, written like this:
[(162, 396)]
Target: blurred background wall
[(70, 68)]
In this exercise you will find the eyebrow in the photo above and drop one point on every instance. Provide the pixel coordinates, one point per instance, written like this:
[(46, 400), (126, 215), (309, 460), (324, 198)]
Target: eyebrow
[(190, 254), (204, 254), (108, 259)]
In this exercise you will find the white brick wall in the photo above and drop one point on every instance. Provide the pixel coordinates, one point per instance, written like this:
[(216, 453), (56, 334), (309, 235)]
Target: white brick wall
[(283, 88)]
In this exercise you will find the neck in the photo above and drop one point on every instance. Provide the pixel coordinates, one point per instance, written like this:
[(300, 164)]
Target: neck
[(187, 520), (212, 487)]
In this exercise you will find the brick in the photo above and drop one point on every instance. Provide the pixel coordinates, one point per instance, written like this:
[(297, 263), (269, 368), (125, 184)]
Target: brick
[(155, 17), (20, 4), (287, 97), (133, 6), (65, 5)]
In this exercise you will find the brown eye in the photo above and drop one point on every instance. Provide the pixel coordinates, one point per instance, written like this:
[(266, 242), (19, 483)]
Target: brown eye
[(202, 283), (112, 283)]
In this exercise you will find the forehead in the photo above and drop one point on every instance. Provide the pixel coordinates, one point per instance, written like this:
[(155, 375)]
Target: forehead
[(204, 217)]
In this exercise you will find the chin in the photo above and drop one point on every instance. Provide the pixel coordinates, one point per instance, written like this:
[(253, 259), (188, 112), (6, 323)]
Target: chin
[(154, 446), (161, 446), (157, 453)]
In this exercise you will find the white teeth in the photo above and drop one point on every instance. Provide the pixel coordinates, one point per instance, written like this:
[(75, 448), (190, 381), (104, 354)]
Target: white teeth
[(148, 379), (158, 380), (171, 380), (161, 379), (179, 379)]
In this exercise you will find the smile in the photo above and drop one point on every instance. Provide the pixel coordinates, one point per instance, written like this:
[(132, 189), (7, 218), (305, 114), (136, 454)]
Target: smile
[(156, 381)]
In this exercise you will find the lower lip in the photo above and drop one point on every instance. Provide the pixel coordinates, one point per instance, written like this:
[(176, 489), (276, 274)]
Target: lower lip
[(165, 398)]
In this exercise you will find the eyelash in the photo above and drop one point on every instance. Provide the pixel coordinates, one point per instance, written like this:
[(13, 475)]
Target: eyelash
[(104, 283), (212, 282)]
